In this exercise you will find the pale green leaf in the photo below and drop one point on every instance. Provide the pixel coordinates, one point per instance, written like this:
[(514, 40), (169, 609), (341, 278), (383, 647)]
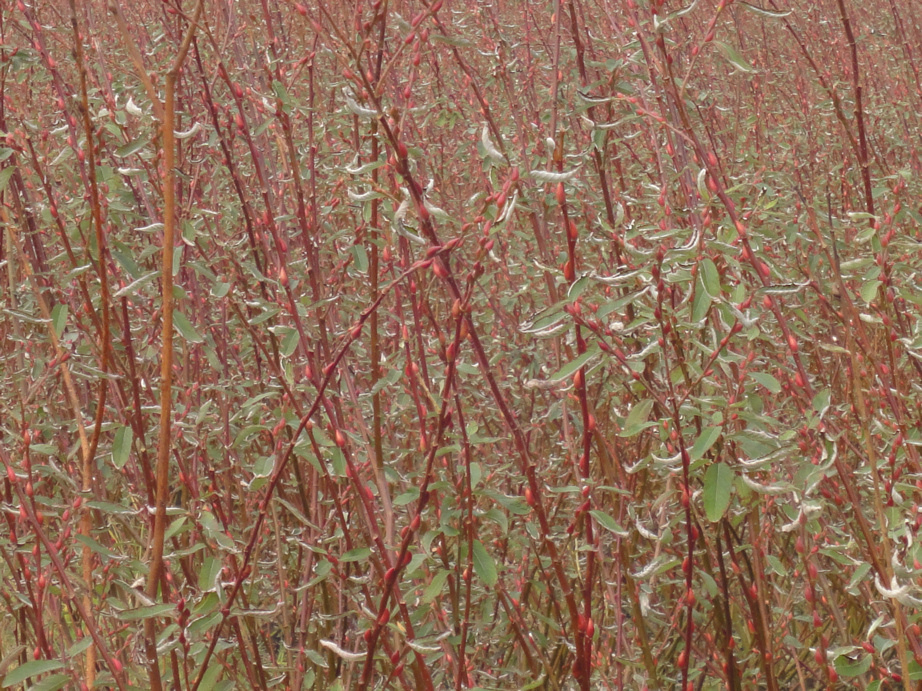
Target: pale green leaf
[(59, 318), (434, 588), (149, 612), (484, 565), (767, 380), (709, 435), (733, 57), (848, 668), (571, 367), (30, 669), (121, 446), (357, 554), (869, 291), (607, 522), (5, 176), (710, 278), (185, 328), (718, 483), (636, 420)]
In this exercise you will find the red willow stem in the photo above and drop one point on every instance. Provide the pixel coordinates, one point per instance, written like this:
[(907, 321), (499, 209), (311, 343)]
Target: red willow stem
[(830, 92), (401, 560), (597, 152), (245, 206), (462, 679), (115, 667), (373, 270), (526, 464), (384, 397), (89, 460), (859, 109), (162, 475), (585, 625), (61, 358), (328, 373)]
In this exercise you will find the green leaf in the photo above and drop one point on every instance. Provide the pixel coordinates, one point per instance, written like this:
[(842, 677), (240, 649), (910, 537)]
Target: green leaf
[(357, 554), (416, 561), (915, 670), (5, 176), (208, 574), (219, 289), (484, 565), (435, 586), (130, 148), (853, 264), (407, 497), (860, 572), (78, 647), (106, 554), (765, 13), (578, 287), (869, 291), (136, 285), (456, 41), (109, 507), (476, 474), (707, 439), (821, 402), (290, 342), (852, 668), (123, 256), (776, 565), (636, 420), (661, 25), (282, 95), (269, 312), (174, 527), (718, 482), (734, 58), (702, 185), (338, 461), (30, 669), (390, 378), (203, 624), (514, 505), (549, 320), (263, 466), (569, 369), (177, 262), (710, 278), (607, 522), (121, 446), (360, 258), (865, 235), (767, 380), (59, 318), (211, 677), (702, 302), (52, 683), (756, 445), (148, 612), (498, 517), (188, 233), (185, 328)]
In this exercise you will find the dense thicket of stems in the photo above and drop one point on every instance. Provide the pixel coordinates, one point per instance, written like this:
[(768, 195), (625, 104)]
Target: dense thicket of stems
[(422, 345)]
